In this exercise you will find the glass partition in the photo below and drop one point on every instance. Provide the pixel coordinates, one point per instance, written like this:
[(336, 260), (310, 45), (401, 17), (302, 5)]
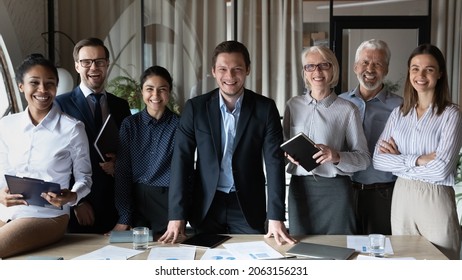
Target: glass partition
[(401, 43), (10, 99), (379, 8)]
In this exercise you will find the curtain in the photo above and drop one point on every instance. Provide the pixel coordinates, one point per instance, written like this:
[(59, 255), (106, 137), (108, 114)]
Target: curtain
[(124, 44), (272, 31), (181, 35), (79, 19), (447, 35)]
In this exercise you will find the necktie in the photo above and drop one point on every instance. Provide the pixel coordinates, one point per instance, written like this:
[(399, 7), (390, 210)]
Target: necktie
[(98, 114)]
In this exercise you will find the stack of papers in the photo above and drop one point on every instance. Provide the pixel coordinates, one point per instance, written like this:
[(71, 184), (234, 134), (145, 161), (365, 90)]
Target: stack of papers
[(371, 258), (172, 253), (257, 250), (218, 255), (109, 252)]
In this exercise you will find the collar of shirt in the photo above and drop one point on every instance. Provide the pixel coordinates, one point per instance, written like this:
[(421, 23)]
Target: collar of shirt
[(326, 102), (381, 95), (86, 91), (148, 119), (91, 101), (237, 106), (49, 122)]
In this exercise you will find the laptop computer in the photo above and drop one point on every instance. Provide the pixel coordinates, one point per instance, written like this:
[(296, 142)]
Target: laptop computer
[(320, 251)]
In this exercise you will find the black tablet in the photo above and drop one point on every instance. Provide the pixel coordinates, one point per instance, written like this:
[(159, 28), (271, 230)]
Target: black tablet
[(31, 189), (206, 240)]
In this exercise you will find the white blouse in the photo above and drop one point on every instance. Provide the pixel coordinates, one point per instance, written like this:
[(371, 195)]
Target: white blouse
[(52, 151)]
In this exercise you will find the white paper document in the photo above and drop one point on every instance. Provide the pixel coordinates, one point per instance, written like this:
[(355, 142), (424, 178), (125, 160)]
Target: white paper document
[(109, 252), (360, 244), (172, 253), (218, 255), (257, 250), (371, 258)]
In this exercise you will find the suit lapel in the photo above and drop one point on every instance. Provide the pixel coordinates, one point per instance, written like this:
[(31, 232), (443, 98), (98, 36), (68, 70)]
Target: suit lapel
[(248, 103), (82, 106), (214, 116)]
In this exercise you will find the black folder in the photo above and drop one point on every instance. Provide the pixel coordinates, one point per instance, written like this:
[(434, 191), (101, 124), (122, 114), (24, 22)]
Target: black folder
[(107, 140), (302, 148), (31, 189)]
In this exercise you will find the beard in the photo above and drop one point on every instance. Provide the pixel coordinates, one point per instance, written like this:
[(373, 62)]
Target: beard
[(369, 85)]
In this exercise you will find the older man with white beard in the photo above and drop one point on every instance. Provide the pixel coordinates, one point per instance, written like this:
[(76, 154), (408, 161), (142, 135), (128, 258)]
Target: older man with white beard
[(373, 188)]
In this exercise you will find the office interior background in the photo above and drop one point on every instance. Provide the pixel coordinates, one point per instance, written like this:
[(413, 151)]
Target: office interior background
[(181, 35)]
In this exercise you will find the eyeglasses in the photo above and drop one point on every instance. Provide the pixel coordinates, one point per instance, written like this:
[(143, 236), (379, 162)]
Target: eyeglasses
[(320, 66), (99, 62)]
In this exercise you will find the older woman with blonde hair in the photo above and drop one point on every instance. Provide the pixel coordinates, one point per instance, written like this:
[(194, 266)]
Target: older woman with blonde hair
[(320, 200)]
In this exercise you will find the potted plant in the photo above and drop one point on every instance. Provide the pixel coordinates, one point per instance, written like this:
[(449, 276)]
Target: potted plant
[(128, 89)]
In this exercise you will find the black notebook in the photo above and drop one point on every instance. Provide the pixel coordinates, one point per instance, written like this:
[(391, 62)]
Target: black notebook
[(31, 189), (319, 251), (301, 148), (107, 140), (206, 240)]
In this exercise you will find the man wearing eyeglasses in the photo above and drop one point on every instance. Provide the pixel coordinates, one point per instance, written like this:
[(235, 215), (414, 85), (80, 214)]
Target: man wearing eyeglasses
[(373, 189), (91, 104)]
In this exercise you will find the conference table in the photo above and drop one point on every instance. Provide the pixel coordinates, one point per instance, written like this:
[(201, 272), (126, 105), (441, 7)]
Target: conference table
[(74, 245)]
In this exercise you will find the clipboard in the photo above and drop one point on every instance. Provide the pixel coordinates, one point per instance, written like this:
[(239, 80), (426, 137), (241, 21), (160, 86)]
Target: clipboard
[(302, 148), (107, 140), (31, 189)]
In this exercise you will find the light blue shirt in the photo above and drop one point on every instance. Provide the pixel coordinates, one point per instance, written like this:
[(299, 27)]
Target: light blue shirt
[(374, 114), (228, 133), (91, 102)]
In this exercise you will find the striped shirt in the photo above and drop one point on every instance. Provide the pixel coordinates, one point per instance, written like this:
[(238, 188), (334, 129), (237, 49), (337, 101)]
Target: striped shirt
[(334, 122), (415, 137)]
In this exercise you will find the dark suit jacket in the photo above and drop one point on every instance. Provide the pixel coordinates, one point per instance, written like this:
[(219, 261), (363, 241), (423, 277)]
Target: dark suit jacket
[(101, 196), (258, 137)]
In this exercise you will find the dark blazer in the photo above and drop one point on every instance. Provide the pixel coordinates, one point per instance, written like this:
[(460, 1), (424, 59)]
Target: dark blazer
[(258, 136), (101, 196)]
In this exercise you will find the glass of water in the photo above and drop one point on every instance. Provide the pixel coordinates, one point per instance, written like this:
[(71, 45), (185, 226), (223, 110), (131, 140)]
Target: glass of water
[(140, 238), (377, 245)]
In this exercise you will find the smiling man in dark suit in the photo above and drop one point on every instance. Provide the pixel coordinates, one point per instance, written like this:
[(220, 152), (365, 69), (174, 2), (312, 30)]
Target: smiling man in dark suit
[(232, 129), (91, 104)]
